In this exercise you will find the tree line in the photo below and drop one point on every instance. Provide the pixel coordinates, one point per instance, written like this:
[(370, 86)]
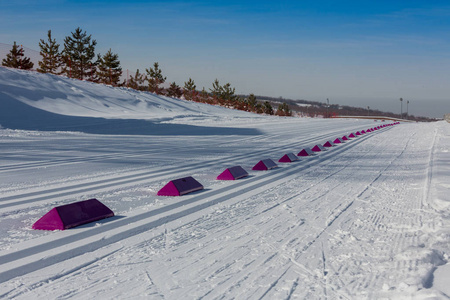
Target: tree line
[(78, 60)]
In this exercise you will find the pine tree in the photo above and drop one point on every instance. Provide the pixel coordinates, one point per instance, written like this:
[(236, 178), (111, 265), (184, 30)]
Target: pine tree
[(204, 97), (137, 81), (224, 94), (251, 101), (241, 104), (267, 108), (109, 70), (284, 110), (16, 59), (217, 89), (174, 90), (155, 79), (189, 89), (259, 108), (78, 53), (51, 58), (228, 94)]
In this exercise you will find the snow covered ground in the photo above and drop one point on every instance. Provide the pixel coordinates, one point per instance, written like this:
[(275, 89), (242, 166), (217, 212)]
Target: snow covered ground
[(369, 218)]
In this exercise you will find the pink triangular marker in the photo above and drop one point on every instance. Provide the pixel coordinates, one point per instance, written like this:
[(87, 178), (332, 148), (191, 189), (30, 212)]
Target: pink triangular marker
[(225, 175), (305, 152), (316, 148), (73, 215), (233, 173), (169, 190), (264, 165), (49, 221), (287, 158)]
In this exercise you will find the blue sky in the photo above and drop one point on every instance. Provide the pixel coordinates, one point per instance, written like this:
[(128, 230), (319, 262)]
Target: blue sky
[(352, 52)]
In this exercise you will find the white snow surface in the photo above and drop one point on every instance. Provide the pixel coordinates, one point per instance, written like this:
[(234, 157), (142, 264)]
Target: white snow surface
[(366, 219)]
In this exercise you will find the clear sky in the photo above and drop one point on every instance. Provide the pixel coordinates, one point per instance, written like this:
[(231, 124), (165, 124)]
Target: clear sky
[(353, 52)]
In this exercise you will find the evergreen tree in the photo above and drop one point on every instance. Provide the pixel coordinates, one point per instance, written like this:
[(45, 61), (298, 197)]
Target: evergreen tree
[(204, 97), (137, 81), (16, 59), (109, 70), (259, 108), (228, 95), (241, 104), (189, 89), (51, 58), (267, 108), (174, 90), (251, 101), (155, 78), (79, 50), (217, 89), (224, 94), (284, 110)]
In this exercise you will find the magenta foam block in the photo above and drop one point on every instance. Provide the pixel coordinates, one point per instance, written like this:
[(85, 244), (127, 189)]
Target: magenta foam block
[(179, 187), (233, 173), (287, 158), (358, 133), (338, 141), (305, 152), (345, 138), (318, 148), (351, 135), (72, 215), (328, 144), (264, 165)]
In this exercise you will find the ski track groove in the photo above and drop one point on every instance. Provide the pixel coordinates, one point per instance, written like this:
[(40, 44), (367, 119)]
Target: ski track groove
[(277, 205), (260, 181), (130, 180), (145, 176), (345, 209), (226, 189), (40, 164)]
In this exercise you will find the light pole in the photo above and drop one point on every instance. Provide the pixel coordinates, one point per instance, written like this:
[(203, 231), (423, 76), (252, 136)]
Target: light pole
[(401, 108), (368, 110), (328, 104)]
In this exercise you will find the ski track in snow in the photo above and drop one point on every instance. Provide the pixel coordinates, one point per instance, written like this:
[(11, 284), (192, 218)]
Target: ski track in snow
[(275, 254), (366, 219)]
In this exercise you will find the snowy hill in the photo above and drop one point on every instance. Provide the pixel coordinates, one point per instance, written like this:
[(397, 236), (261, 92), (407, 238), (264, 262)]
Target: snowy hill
[(365, 219), (33, 101)]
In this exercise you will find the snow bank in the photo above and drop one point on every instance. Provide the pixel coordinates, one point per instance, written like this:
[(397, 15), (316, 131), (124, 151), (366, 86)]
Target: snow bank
[(33, 101)]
